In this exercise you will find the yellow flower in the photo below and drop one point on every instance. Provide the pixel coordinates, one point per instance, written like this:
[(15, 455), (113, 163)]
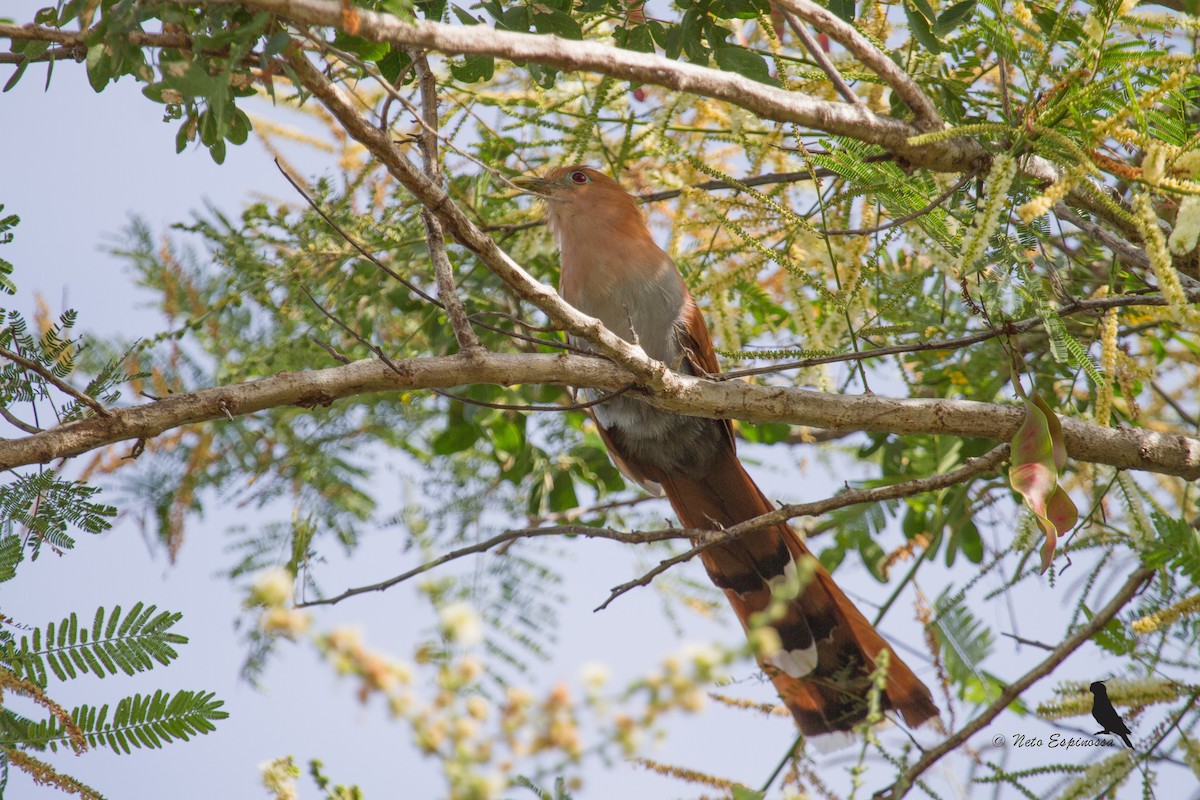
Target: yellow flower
[(460, 623), (271, 588), (284, 622)]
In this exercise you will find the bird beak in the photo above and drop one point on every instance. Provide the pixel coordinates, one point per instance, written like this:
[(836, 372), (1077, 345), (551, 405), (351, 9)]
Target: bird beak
[(533, 184)]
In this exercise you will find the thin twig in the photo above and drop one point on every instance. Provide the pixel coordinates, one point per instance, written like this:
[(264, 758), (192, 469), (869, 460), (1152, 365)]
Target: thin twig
[(354, 243), (17, 422), (495, 541), (435, 237), (1013, 690), (516, 407), (51, 378), (369, 345), (941, 198), (1006, 329), (1030, 642), (405, 282), (818, 54), (1130, 253), (1174, 404), (706, 539)]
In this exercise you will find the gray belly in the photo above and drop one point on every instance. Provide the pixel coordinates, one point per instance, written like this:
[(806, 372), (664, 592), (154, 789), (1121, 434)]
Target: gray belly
[(649, 438)]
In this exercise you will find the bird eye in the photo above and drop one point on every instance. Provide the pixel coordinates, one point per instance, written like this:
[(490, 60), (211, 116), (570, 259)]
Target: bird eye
[(579, 176)]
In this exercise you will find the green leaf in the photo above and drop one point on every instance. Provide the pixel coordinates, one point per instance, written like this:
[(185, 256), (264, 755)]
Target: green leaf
[(474, 69), (637, 38), (743, 793), (843, 9), (457, 437), (954, 16), (744, 62), (363, 48), (559, 23), (921, 26)]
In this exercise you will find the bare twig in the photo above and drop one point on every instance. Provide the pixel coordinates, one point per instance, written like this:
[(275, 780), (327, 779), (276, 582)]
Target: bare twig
[(1174, 404), (353, 333), (818, 54), (941, 198), (518, 407), (1030, 642), (496, 541), (1013, 690), (17, 422), (705, 539), (52, 379), (404, 281), (1129, 253), (973, 468)]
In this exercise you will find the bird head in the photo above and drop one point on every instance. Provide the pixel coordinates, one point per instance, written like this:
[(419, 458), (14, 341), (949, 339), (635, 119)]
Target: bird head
[(1098, 687), (572, 185), (587, 210)]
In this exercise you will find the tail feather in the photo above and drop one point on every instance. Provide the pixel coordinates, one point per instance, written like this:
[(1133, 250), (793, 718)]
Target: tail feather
[(828, 648)]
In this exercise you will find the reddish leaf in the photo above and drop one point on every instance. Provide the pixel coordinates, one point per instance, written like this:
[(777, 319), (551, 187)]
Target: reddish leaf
[(1056, 434), (1034, 474)]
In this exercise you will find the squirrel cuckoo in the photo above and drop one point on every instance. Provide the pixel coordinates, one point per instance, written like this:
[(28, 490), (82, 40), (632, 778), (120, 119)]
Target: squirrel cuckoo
[(613, 270)]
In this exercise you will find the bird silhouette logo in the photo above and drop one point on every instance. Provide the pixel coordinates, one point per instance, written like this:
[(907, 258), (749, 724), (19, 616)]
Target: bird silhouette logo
[(1106, 715)]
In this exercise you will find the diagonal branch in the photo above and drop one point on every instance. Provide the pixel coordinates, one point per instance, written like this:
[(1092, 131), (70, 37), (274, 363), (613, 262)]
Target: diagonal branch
[(818, 54), (974, 467), (926, 113), (1013, 690), (51, 378)]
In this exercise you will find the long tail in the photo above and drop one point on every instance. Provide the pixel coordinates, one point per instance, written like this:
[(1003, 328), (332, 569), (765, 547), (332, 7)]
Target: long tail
[(828, 647)]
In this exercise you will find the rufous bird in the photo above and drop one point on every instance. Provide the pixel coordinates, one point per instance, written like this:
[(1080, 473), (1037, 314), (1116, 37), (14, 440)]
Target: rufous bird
[(613, 270)]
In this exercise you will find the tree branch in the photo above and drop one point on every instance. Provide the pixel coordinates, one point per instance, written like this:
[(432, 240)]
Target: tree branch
[(768, 102), (1003, 329), (1124, 448), (814, 49), (706, 539), (926, 113), (1013, 690), (500, 539), (435, 238), (50, 377)]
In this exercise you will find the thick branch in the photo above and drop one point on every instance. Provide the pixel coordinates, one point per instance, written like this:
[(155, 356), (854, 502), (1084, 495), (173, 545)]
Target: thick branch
[(1124, 448), (1013, 690), (768, 102)]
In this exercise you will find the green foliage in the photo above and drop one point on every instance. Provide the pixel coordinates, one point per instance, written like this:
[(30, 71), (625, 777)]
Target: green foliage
[(44, 507), (965, 643), (138, 721), (129, 645)]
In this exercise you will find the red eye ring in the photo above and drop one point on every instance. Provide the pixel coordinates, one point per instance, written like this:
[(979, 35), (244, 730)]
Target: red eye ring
[(579, 176)]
